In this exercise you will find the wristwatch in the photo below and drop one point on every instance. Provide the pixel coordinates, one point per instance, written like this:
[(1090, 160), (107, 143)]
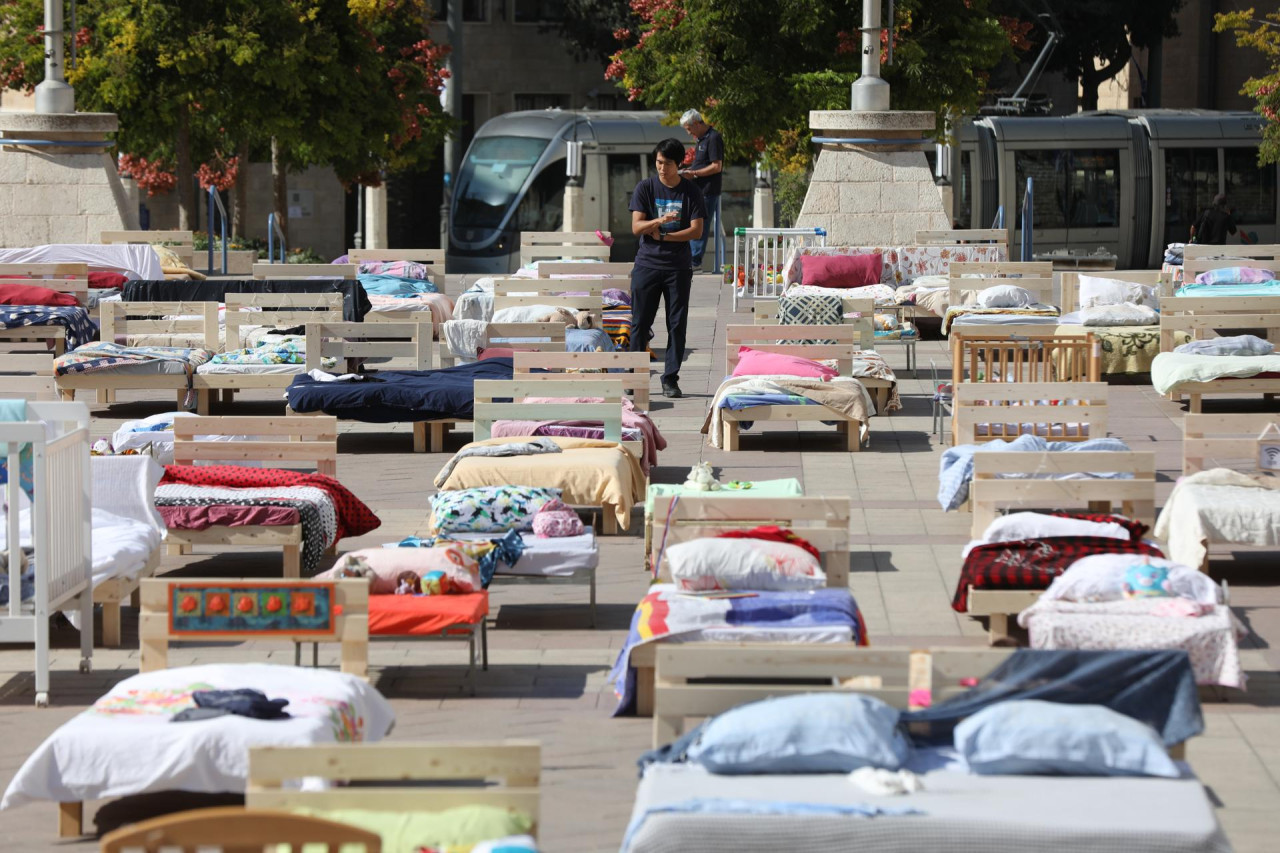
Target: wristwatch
[(662, 236)]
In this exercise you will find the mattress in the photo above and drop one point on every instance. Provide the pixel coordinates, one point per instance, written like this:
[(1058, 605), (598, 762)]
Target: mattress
[(424, 615), (1170, 369), (121, 546), (958, 811), (355, 303), (219, 369), (227, 515), (126, 743), (395, 396), (552, 556)]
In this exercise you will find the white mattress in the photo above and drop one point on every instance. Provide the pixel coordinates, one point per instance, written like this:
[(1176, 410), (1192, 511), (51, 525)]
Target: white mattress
[(121, 546), (211, 368), (126, 744), (556, 556)]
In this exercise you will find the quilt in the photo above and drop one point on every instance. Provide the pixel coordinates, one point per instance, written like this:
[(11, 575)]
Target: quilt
[(75, 320), (844, 396), (985, 316), (102, 356), (1219, 506), (396, 396)]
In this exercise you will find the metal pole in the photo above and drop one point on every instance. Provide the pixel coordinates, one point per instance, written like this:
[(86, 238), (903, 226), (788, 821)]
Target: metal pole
[(870, 92), (53, 95), (357, 239), (453, 97)]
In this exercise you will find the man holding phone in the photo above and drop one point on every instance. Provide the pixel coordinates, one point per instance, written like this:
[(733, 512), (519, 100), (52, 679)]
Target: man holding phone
[(667, 212)]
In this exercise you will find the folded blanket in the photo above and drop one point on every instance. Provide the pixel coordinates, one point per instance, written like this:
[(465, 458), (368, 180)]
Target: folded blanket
[(465, 338), (79, 329), (632, 420), (843, 395), (515, 448), (1241, 506), (1231, 345), (955, 469), (1171, 369)]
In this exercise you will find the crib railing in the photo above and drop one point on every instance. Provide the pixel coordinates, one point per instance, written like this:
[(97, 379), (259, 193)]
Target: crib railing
[(1032, 358)]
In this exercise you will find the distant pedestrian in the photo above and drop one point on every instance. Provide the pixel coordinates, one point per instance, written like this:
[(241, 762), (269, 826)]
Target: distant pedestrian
[(667, 214), (708, 163), (1213, 226)]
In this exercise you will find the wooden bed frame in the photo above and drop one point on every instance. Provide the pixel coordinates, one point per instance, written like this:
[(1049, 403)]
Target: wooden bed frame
[(1135, 498), (740, 672), (64, 278), (1070, 299), (561, 238), (398, 776), (963, 236), (262, 272), (146, 318), (289, 440), (765, 339), (182, 243), (823, 521), (246, 829), (283, 310), (1032, 277), (433, 258), (529, 254), (1223, 438), (1204, 317), (517, 292), (978, 402), (1206, 258), (613, 270), (28, 376), (635, 379), (1028, 358)]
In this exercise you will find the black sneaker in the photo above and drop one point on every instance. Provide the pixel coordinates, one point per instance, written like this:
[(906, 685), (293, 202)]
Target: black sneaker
[(672, 390)]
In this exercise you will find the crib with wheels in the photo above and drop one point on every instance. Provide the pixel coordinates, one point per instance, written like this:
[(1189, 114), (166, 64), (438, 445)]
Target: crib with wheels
[(52, 444)]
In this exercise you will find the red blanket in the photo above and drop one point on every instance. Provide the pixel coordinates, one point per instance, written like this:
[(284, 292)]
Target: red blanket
[(354, 518)]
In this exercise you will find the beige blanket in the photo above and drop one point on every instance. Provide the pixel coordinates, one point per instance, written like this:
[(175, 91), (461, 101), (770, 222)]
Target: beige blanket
[(843, 395), (588, 472), (1219, 506)]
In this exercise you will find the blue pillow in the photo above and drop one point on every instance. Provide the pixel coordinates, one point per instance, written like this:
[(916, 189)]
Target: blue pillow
[(808, 733), (394, 285), (1031, 737)]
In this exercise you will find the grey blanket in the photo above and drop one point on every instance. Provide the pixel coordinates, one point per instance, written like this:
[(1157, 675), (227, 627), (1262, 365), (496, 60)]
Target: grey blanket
[(514, 448)]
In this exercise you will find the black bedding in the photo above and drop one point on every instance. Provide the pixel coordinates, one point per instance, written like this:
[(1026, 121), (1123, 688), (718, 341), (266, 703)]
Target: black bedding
[(397, 396), (355, 302)]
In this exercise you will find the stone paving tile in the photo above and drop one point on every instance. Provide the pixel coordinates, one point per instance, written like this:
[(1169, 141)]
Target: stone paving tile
[(548, 671)]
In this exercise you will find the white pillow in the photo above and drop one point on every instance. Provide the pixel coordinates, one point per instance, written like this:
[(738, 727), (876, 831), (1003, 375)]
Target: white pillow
[(1006, 296), (1096, 290), (1038, 525), (1100, 577), (747, 564), (523, 313), (1124, 314)]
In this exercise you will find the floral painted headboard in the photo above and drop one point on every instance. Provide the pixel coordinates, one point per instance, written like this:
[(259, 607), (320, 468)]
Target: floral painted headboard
[(900, 264)]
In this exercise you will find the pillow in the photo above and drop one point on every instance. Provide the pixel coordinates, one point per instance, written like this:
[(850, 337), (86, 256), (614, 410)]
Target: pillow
[(1031, 737), (1235, 275), (491, 509), (30, 294), (1124, 314), (523, 313), (754, 362), (1136, 528), (442, 570), (808, 733), (1096, 290), (1231, 345), (496, 352), (1037, 525), (396, 269), (1006, 296), (746, 564), (841, 270), (394, 285), (99, 280), (1101, 577), (555, 520)]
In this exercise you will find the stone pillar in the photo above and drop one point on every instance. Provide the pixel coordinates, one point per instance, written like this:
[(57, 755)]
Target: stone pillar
[(375, 217), (51, 193), (575, 214), (872, 194)]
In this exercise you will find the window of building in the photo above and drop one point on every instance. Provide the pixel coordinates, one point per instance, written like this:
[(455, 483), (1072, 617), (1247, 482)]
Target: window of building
[(473, 11), (1190, 183), (537, 11), (962, 191), (1070, 188), (1250, 188), (540, 101)]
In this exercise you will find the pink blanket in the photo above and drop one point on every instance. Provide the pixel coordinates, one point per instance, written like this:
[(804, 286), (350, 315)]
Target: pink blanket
[(226, 515), (631, 419)]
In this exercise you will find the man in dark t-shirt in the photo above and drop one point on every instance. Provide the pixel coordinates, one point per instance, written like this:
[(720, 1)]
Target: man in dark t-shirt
[(705, 171), (1213, 226), (667, 213)]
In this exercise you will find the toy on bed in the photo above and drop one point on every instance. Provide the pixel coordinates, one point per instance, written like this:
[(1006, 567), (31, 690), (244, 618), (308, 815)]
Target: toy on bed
[(1143, 580), (701, 478)]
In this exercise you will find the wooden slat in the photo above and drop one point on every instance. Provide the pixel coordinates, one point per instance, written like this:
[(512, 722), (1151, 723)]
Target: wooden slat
[(962, 236), (179, 238), (616, 270), (561, 238), (430, 257), (528, 254), (1039, 269), (318, 271)]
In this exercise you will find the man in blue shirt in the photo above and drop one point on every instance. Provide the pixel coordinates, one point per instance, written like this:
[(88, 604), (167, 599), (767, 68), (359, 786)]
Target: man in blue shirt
[(708, 163), (667, 213)]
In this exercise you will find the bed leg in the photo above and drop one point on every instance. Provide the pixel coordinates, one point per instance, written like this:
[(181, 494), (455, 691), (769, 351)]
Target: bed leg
[(997, 627), (471, 667), (730, 435), (103, 396), (882, 400), (665, 730), (419, 437), (608, 521), (228, 395), (1195, 404), (110, 623), (853, 436), (644, 691), (593, 599), (68, 394), (70, 820), (202, 402), (484, 643), (293, 561), (437, 438)]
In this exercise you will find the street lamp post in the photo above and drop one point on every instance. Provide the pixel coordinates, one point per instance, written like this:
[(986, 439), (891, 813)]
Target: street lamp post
[(53, 95)]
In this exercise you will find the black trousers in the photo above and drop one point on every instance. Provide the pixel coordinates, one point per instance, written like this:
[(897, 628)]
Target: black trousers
[(672, 287)]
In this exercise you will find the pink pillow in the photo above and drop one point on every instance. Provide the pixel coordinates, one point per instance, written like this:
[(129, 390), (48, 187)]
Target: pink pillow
[(496, 352), (754, 362), (841, 270), (30, 294)]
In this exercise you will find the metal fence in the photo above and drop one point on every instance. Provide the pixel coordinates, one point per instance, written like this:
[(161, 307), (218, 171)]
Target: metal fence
[(759, 254)]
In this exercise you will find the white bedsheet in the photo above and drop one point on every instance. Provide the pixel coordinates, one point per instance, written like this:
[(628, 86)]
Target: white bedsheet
[(1218, 506), (121, 546), (212, 368), (125, 744), (1170, 369), (135, 261), (552, 556)]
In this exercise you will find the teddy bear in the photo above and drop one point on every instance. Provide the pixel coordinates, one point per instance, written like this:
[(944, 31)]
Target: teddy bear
[(571, 320), (701, 478)]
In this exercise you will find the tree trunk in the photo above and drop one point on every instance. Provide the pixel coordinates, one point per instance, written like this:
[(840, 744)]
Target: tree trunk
[(184, 174), (240, 201), (1092, 78), (279, 188)]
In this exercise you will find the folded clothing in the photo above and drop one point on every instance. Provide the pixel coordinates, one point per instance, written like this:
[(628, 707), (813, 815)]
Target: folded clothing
[(244, 702), (1232, 345)]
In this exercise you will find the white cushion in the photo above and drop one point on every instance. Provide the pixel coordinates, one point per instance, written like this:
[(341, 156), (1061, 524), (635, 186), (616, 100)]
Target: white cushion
[(1096, 290), (1006, 296), (745, 564), (1039, 525), (1100, 577), (1124, 314)]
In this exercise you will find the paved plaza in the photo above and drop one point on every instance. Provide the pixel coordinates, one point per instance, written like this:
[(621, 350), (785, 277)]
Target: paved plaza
[(548, 669)]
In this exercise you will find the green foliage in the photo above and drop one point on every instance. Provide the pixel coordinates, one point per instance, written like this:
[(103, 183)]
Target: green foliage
[(756, 68), (1262, 35), (304, 256), (789, 189)]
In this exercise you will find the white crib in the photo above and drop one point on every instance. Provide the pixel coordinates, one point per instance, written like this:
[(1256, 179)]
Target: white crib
[(61, 530)]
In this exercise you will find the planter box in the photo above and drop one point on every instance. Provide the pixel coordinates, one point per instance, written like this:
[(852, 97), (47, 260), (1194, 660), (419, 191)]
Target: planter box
[(239, 261)]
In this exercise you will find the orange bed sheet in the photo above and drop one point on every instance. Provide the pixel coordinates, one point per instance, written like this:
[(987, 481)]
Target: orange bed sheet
[(424, 615)]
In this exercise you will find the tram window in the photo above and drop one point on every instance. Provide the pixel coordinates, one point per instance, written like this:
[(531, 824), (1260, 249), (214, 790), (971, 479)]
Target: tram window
[(1048, 172), (1094, 199), (542, 208), (963, 191), (1251, 189), (495, 169), (1191, 182)]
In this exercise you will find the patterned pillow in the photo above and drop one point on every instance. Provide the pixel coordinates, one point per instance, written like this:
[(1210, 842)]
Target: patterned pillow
[(491, 509), (555, 519)]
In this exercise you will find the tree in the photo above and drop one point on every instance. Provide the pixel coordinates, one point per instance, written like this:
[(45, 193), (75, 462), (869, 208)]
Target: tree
[(350, 84), (756, 67), (1094, 30), (1263, 35), (588, 27)]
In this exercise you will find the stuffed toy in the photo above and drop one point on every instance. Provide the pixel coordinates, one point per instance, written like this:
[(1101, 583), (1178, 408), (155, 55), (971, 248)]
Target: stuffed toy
[(1143, 580), (571, 320), (701, 478)]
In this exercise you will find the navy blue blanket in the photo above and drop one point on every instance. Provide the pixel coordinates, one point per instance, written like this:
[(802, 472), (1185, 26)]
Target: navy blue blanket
[(397, 396), (355, 302)]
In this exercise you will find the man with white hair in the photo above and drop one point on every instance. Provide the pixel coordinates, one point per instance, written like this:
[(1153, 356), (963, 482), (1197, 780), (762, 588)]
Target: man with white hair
[(704, 171)]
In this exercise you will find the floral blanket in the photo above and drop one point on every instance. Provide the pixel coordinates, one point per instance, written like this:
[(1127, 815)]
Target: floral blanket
[(899, 264)]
